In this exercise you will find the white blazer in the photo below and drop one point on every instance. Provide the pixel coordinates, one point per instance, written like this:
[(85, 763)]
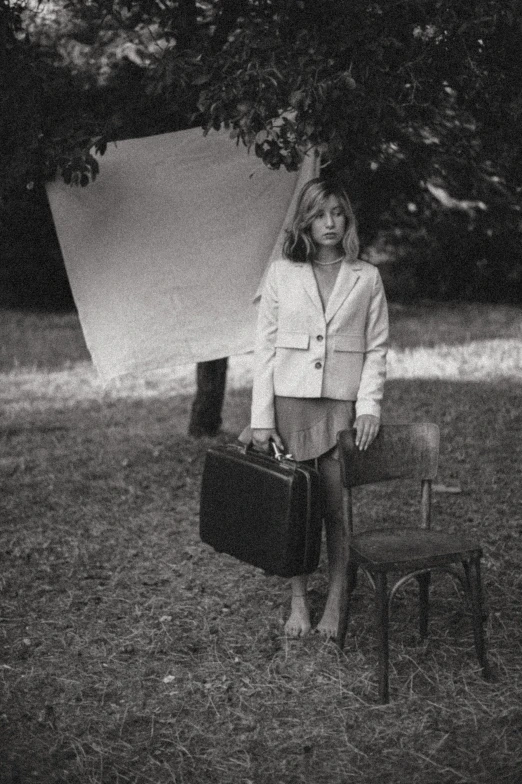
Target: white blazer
[(303, 351)]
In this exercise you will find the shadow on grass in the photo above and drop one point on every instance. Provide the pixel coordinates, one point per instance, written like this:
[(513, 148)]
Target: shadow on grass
[(432, 323), (132, 652)]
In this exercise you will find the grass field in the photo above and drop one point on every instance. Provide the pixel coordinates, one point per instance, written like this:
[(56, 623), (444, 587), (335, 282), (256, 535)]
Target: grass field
[(44, 362), (54, 341), (130, 652)]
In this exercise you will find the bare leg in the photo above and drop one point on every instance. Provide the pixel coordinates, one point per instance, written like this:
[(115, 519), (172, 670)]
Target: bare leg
[(329, 467), (299, 622)]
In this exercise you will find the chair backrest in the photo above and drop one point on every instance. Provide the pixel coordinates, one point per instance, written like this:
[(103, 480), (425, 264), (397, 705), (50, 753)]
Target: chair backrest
[(399, 451)]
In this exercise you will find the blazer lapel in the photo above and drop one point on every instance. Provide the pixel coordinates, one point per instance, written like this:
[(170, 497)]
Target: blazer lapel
[(346, 280), (310, 285)]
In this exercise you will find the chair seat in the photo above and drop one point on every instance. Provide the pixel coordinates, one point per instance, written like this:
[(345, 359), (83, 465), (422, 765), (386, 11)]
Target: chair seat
[(405, 548)]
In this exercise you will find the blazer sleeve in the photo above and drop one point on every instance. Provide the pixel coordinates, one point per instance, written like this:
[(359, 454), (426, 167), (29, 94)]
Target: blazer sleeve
[(263, 414), (373, 373)]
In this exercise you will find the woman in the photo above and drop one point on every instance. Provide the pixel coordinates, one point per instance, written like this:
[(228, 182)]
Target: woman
[(320, 362)]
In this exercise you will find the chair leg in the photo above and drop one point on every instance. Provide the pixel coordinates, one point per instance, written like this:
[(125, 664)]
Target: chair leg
[(473, 579), (382, 624), (424, 603), (344, 609)]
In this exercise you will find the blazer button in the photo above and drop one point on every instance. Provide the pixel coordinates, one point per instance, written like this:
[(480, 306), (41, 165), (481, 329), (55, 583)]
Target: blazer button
[(318, 365), (319, 338)]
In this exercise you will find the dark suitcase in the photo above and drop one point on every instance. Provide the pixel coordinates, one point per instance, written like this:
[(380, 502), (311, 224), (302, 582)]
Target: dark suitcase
[(263, 510)]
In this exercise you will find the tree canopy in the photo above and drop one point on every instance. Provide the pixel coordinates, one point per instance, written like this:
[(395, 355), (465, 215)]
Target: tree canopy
[(416, 102)]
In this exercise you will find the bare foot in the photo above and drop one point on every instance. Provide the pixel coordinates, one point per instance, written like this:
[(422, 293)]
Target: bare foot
[(299, 622), (329, 623)]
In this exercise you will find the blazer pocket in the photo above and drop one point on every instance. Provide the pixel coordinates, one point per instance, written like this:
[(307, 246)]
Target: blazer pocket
[(292, 340), (349, 343)]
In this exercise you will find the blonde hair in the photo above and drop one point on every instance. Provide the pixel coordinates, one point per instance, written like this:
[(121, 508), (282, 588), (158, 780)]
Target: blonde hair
[(299, 245)]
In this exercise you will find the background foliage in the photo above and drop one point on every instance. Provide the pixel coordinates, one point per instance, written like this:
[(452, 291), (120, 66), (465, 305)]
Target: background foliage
[(415, 103)]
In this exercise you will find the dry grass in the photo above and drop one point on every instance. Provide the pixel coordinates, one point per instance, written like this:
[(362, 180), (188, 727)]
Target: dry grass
[(133, 653)]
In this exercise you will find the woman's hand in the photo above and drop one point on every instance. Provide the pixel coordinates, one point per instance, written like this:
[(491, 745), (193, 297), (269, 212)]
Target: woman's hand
[(261, 439), (366, 428)]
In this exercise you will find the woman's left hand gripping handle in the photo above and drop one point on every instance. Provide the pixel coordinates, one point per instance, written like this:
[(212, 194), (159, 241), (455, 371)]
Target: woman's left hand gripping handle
[(261, 438)]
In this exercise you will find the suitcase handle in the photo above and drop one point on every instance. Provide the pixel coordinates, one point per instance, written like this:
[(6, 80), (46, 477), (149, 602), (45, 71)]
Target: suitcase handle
[(278, 453)]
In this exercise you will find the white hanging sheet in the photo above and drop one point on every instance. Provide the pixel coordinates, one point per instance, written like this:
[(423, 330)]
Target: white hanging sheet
[(166, 249)]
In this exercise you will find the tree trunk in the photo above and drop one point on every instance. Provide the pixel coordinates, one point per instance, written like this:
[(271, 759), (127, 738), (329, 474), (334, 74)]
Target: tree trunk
[(205, 415)]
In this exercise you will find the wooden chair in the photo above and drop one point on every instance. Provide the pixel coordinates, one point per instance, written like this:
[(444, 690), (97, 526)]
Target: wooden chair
[(400, 452)]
